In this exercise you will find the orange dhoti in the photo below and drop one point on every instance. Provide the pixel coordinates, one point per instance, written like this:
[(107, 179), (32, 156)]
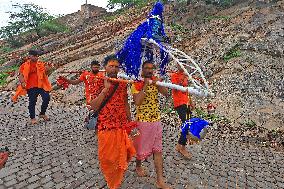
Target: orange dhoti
[(115, 151)]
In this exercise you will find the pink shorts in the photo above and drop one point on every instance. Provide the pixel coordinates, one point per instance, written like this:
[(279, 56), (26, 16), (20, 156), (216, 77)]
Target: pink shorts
[(149, 140)]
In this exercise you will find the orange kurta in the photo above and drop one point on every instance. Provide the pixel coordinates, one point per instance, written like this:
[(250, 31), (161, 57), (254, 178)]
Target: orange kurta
[(91, 84), (179, 97), (115, 148), (34, 76), (32, 80)]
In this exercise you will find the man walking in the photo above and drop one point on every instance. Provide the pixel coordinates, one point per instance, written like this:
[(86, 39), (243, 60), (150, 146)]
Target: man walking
[(183, 106), (90, 81), (115, 148), (33, 78), (149, 141)]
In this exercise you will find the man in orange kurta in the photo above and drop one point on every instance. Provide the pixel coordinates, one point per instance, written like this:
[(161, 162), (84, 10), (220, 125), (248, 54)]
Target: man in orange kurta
[(183, 106), (115, 148), (34, 82), (90, 80)]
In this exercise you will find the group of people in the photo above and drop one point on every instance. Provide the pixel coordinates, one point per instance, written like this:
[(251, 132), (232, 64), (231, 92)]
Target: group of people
[(115, 146)]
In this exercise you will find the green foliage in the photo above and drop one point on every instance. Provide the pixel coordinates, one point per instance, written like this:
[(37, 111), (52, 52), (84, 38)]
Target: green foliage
[(178, 27), (232, 53), (223, 3), (110, 17), (275, 132), (249, 123), (4, 74), (52, 26), (3, 77), (26, 19), (44, 59), (126, 3), (2, 60), (167, 110), (10, 32), (114, 15), (12, 68), (6, 49), (199, 112)]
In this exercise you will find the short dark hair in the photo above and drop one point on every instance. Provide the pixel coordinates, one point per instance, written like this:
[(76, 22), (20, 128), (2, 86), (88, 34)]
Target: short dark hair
[(147, 62), (95, 62), (35, 52), (108, 58)]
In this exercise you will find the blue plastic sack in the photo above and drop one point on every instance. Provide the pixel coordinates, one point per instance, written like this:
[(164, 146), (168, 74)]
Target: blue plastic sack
[(195, 127)]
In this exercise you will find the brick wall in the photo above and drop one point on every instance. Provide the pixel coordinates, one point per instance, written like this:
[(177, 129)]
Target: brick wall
[(78, 18)]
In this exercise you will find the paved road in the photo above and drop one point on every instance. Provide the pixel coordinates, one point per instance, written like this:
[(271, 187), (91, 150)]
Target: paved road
[(61, 154)]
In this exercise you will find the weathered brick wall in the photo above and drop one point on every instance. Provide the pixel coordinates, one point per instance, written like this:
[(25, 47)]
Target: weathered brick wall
[(77, 19), (89, 11)]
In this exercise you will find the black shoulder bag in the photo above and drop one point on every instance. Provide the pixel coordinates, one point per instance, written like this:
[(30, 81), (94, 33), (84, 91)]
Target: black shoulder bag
[(92, 119)]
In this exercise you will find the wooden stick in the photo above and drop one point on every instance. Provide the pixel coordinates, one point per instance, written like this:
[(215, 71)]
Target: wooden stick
[(81, 71)]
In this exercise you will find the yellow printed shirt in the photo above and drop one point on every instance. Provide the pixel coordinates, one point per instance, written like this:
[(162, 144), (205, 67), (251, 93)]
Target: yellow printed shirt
[(149, 110)]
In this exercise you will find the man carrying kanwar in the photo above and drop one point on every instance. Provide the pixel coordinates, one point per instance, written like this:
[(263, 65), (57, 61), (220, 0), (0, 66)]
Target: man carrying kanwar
[(91, 81), (183, 106), (115, 148), (149, 142)]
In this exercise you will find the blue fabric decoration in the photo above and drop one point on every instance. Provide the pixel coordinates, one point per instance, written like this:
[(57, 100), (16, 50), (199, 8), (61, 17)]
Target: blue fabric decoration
[(130, 55), (195, 127)]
